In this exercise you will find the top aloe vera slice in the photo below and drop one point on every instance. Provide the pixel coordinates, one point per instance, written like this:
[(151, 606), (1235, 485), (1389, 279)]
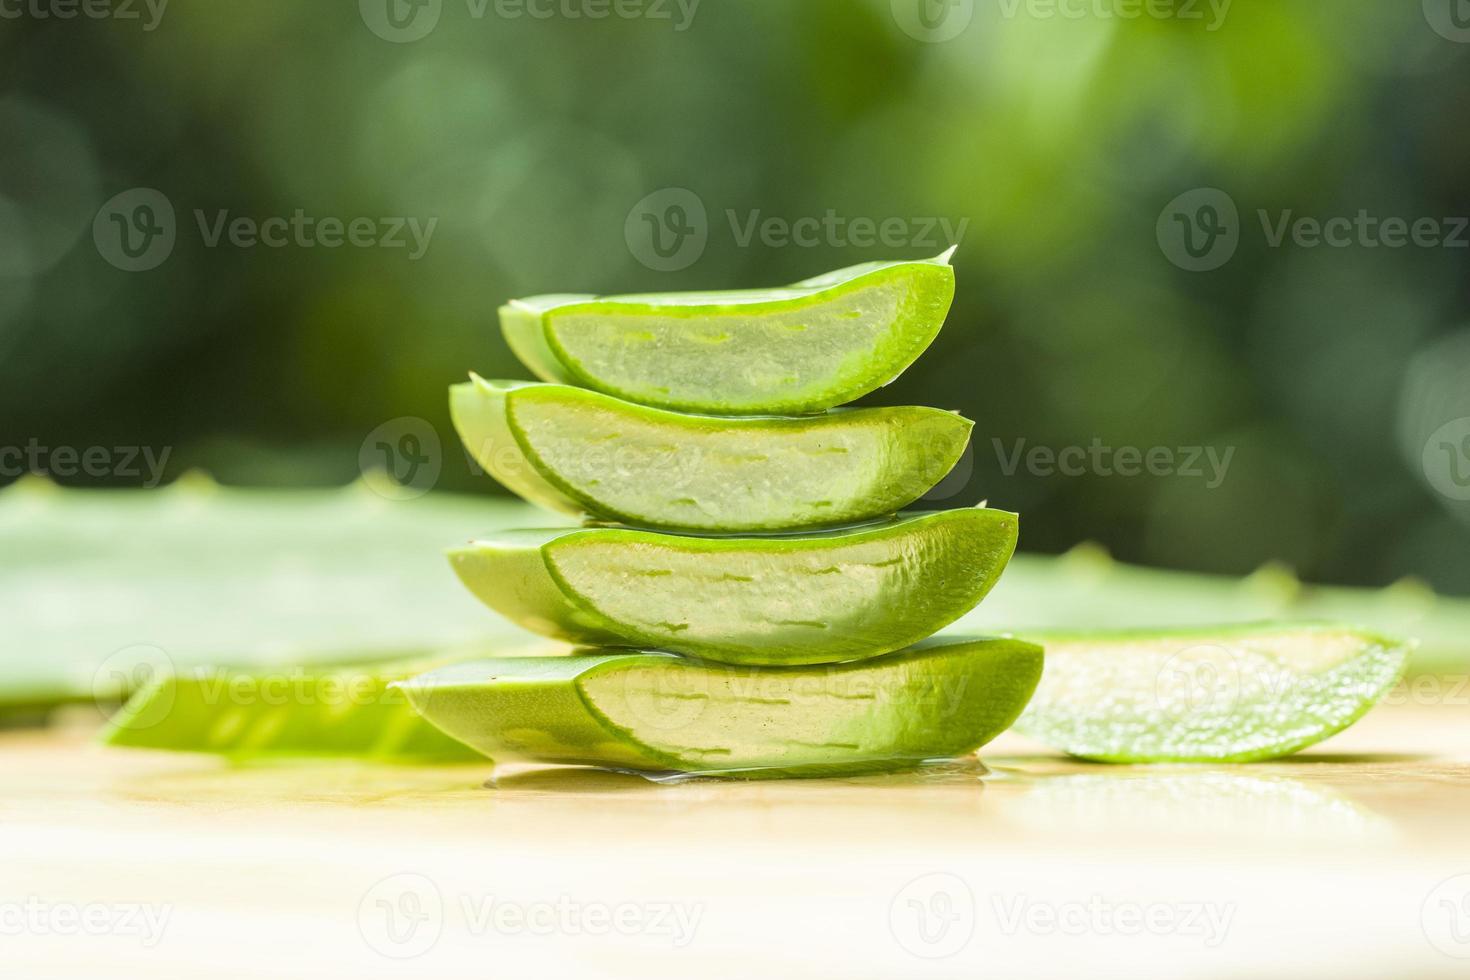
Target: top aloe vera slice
[(582, 452), (652, 711), (1221, 694), (816, 598), (804, 348)]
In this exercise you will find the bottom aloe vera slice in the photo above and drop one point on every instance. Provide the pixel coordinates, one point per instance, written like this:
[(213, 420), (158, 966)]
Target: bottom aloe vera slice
[(1225, 694), (657, 712), (348, 712), (814, 598)]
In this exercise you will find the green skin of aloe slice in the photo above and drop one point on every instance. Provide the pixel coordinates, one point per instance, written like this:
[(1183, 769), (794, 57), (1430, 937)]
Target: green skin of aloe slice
[(804, 348), (823, 597), (1224, 694), (582, 452), (346, 712), (656, 712)]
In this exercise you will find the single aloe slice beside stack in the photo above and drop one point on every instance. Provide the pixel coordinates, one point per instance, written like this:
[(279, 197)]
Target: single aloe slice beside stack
[(582, 452), (816, 598), (1227, 694), (804, 348), (339, 712), (653, 711)]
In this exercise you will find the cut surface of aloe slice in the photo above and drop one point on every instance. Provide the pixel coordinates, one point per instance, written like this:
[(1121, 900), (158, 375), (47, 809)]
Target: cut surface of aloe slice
[(340, 712), (1225, 694), (823, 597), (653, 711), (804, 348), (582, 452)]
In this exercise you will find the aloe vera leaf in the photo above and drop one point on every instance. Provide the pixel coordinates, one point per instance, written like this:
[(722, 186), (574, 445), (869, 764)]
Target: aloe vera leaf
[(1208, 694), (95, 580), (582, 452), (652, 711), (1086, 589), (803, 348), (822, 597), (349, 712)]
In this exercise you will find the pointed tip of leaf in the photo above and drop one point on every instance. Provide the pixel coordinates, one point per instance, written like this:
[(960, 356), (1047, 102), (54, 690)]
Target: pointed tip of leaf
[(1412, 592), (1088, 556), (1274, 579), (196, 482), (34, 485)]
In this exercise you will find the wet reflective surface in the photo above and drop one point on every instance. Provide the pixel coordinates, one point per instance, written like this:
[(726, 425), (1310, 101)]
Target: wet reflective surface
[(1030, 861)]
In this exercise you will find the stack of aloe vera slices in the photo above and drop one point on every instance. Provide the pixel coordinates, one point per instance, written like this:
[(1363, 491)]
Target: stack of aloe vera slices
[(759, 601)]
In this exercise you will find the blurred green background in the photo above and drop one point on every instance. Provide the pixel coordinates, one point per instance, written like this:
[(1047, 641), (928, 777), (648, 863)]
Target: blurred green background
[(1055, 137)]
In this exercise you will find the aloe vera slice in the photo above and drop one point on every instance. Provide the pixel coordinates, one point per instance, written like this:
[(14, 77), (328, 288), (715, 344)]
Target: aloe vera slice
[(816, 598), (582, 452), (802, 348), (347, 712), (652, 711), (1224, 694)]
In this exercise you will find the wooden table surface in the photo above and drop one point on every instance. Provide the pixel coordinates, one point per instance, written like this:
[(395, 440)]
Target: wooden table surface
[(1349, 860)]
